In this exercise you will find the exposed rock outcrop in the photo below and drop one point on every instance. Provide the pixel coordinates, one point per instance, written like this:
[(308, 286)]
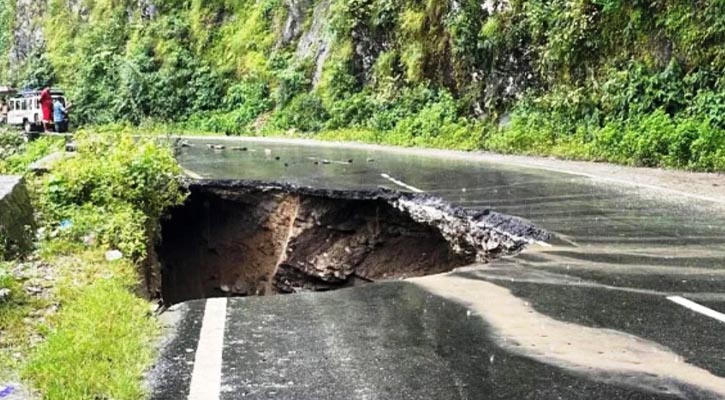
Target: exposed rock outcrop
[(16, 217), (27, 35)]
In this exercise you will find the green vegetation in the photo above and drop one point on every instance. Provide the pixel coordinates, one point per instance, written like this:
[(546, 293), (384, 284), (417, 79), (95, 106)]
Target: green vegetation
[(16, 155), (100, 342), (629, 82), (116, 188), (7, 16), (15, 305), (72, 323)]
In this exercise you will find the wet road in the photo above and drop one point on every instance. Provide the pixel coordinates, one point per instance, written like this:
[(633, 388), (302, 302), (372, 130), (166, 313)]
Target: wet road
[(591, 315)]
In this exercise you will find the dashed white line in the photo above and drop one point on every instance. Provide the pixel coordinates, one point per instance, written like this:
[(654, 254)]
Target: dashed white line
[(401, 183), (697, 308), (206, 379)]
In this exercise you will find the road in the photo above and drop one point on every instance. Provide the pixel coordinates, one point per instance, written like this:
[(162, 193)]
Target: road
[(626, 301)]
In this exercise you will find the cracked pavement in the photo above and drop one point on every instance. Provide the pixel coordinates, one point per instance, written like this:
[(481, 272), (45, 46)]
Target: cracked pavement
[(589, 314)]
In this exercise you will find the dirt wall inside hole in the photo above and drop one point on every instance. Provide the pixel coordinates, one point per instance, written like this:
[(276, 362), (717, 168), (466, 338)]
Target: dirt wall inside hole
[(261, 242)]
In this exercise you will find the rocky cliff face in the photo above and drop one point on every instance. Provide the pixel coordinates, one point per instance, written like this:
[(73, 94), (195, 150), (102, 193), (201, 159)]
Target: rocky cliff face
[(27, 32), (306, 27), (316, 42)]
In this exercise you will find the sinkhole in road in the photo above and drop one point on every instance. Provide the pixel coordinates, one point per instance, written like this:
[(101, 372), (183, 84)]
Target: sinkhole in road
[(243, 238)]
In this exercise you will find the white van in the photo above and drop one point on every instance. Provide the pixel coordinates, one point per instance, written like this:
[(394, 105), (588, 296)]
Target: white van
[(24, 110)]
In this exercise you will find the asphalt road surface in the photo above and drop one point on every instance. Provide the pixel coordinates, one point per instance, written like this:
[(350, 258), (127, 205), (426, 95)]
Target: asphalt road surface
[(626, 302)]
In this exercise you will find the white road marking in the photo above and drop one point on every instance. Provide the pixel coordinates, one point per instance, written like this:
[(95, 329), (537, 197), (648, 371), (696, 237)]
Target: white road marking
[(401, 183), (192, 174), (618, 181), (206, 380), (697, 308)]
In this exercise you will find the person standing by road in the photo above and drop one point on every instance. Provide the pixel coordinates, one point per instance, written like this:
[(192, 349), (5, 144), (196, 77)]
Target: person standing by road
[(60, 116), (46, 106)]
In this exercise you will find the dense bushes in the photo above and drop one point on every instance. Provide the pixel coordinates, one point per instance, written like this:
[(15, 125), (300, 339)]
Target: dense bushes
[(16, 155), (653, 140), (639, 116), (111, 194)]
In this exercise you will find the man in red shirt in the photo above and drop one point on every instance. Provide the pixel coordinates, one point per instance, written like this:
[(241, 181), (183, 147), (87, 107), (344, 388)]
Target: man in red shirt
[(46, 106)]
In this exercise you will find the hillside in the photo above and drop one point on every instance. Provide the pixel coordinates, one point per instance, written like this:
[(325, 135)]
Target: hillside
[(637, 82)]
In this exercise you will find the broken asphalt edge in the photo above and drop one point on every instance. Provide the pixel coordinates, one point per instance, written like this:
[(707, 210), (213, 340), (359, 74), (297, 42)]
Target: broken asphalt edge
[(466, 229)]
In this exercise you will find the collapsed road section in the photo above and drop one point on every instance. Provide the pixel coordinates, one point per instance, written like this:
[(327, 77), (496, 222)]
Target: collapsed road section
[(246, 238)]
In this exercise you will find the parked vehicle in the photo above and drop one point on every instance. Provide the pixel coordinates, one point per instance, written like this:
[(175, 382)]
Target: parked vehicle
[(24, 110), (5, 93)]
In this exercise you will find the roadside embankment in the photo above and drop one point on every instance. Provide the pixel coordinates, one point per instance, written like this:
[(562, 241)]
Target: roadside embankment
[(73, 322)]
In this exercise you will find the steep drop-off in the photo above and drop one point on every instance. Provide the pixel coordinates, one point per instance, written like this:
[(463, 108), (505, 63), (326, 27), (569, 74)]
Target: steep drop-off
[(239, 238)]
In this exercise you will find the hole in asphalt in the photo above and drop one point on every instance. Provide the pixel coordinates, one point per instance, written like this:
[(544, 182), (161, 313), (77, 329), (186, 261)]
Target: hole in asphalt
[(238, 238)]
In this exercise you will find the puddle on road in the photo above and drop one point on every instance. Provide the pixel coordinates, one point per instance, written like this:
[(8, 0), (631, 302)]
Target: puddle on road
[(237, 238), (603, 353)]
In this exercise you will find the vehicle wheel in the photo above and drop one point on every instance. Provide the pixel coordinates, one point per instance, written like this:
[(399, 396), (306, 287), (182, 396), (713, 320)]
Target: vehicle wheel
[(28, 127)]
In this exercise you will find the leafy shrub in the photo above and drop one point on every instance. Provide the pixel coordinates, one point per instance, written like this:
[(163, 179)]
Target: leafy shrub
[(528, 132), (430, 121), (16, 155), (119, 226), (354, 111), (292, 81), (252, 95), (227, 123), (305, 112), (645, 140), (405, 104), (708, 150), (114, 190)]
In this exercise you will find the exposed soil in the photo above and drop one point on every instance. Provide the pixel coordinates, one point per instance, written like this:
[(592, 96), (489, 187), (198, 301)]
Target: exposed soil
[(253, 238)]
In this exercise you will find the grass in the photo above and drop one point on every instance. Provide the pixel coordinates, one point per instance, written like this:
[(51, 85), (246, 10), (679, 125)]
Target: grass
[(86, 334), (101, 341), (15, 306)]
